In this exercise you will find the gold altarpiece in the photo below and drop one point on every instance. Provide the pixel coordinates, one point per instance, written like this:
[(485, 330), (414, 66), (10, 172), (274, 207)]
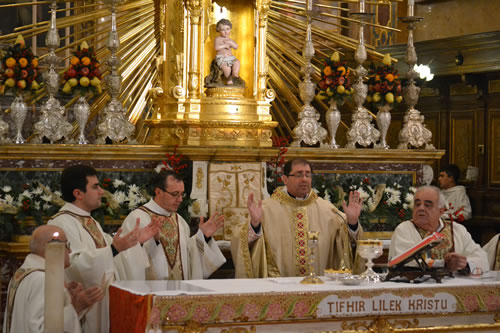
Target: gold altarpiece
[(185, 113)]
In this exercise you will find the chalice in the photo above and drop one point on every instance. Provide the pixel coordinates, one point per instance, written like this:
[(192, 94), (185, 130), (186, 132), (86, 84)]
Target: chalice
[(370, 249), (313, 244)]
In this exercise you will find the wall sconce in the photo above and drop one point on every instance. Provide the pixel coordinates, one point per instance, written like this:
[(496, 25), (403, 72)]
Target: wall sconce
[(459, 59), (424, 71)]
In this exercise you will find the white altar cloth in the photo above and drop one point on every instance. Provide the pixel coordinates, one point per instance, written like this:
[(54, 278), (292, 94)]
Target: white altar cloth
[(273, 304)]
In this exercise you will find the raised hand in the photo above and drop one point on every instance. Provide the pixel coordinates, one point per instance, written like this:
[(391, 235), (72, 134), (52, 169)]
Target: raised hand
[(127, 241), (214, 223), (353, 210), (82, 299), (255, 210), (144, 234)]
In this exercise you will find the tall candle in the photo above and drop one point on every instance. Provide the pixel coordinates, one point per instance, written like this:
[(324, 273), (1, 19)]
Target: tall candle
[(54, 285), (361, 6), (411, 7)]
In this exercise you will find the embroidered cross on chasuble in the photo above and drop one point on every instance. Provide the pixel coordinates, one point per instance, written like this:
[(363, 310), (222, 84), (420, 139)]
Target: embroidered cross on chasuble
[(90, 225), (300, 224), (19, 275), (447, 245), (170, 241)]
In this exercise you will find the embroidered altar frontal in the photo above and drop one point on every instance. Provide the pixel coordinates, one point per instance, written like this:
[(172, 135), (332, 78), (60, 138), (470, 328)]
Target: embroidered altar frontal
[(283, 304)]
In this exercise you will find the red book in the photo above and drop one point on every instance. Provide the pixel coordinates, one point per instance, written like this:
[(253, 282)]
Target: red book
[(428, 241)]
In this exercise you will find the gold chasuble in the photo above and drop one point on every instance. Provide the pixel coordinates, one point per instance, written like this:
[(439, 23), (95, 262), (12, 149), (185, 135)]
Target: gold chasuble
[(169, 239), (89, 224), (282, 249), (439, 251), (496, 264)]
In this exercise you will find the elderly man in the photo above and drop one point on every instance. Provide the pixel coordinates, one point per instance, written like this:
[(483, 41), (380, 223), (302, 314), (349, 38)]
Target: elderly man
[(26, 293), (275, 241), (457, 202), (96, 257), (174, 255), (458, 252)]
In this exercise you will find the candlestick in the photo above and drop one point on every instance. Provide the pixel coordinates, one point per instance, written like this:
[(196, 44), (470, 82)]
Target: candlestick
[(54, 285), (411, 7), (361, 6)]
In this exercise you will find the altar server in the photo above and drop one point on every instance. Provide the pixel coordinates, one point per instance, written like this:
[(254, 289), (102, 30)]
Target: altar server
[(25, 306), (173, 254), (275, 242), (96, 257), (458, 252)]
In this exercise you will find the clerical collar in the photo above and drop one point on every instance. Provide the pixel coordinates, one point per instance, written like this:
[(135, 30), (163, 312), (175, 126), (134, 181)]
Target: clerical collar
[(157, 208), (304, 198)]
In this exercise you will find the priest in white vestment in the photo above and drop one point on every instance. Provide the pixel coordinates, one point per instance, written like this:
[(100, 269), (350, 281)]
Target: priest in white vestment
[(96, 257), (173, 253), (25, 306), (492, 249), (458, 251), (274, 243)]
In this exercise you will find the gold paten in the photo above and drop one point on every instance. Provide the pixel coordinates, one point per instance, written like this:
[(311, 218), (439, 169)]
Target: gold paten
[(185, 112)]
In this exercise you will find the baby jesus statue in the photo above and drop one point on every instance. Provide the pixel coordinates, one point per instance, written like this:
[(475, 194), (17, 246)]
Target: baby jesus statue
[(224, 61)]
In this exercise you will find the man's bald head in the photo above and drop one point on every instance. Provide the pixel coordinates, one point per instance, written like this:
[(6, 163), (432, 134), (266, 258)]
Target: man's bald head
[(42, 235)]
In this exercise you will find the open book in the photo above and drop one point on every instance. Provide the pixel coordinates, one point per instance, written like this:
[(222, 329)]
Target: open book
[(426, 243)]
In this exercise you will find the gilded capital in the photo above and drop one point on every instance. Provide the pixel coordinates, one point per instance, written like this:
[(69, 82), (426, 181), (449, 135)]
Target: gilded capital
[(195, 9)]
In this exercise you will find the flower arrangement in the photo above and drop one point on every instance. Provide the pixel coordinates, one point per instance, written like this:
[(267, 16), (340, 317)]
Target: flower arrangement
[(83, 75), (384, 84), (33, 200), (20, 68), (335, 83), (173, 162), (386, 201), (454, 215), (276, 164)]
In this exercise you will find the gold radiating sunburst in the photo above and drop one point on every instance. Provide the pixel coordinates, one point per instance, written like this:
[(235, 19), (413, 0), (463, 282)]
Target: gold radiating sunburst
[(137, 22)]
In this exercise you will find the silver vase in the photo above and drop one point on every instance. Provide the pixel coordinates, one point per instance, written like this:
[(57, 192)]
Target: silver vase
[(82, 112), (19, 111), (383, 122), (333, 121)]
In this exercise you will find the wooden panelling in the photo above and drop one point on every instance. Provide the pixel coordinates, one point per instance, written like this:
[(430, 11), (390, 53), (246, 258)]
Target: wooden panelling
[(463, 139), (494, 135)]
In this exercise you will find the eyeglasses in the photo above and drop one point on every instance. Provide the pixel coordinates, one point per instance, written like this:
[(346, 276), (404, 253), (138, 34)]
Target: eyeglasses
[(301, 175), (176, 195)]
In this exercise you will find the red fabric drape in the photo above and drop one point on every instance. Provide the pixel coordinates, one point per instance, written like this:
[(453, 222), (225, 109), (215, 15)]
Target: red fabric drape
[(128, 312)]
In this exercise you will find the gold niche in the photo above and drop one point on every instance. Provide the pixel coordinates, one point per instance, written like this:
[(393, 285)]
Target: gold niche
[(188, 114)]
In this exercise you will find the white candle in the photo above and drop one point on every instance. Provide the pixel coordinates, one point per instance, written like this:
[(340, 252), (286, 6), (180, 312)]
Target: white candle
[(411, 7), (54, 285), (361, 6)]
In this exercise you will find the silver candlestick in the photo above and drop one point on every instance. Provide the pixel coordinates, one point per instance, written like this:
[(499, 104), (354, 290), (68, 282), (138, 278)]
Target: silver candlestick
[(308, 129), (313, 238), (114, 125), (52, 123), (362, 131), (414, 132)]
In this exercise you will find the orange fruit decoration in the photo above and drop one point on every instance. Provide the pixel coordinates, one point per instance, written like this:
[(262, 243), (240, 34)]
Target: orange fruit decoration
[(10, 62), (34, 63), (389, 77), (23, 62), (75, 61), (342, 70), (85, 61)]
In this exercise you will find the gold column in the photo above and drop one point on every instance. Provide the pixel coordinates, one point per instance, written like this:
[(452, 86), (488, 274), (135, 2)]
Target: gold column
[(195, 9), (189, 114)]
